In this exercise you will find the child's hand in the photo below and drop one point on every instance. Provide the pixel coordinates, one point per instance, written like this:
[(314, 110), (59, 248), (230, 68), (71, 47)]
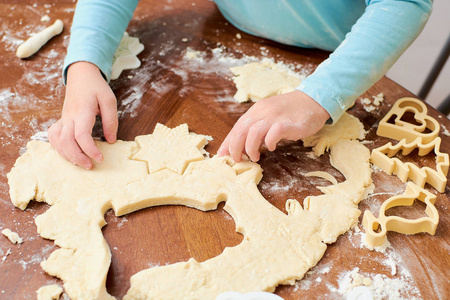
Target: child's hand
[(291, 116), (87, 95)]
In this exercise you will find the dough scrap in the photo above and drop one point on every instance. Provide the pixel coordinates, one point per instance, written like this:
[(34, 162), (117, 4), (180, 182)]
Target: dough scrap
[(49, 292), (34, 43), (12, 236), (347, 127), (259, 80), (125, 57), (321, 174), (277, 249)]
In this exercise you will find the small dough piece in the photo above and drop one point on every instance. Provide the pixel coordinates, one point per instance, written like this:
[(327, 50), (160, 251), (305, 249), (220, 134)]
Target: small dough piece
[(321, 174), (347, 127), (34, 43), (12, 236), (45, 18), (125, 57), (49, 292), (259, 80)]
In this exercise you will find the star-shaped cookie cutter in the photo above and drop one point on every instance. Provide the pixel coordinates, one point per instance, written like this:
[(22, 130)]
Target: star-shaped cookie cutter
[(377, 228), (422, 135)]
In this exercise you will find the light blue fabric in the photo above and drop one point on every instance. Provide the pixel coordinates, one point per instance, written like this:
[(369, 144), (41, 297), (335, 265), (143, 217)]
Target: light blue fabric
[(367, 37), (97, 29)]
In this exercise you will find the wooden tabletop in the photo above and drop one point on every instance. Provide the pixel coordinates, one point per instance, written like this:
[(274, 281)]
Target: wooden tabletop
[(171, 90)]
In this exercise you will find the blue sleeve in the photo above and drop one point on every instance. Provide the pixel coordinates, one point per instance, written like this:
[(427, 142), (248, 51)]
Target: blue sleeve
[(375, 42), (97, 29)]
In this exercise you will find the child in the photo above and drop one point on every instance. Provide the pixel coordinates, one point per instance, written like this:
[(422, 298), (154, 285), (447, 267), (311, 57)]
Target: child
[(366, 39)]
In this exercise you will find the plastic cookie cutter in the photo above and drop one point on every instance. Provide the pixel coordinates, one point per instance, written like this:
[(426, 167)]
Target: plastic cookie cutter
[(421, 136), (424, 126), (382, 157), (377, 228)]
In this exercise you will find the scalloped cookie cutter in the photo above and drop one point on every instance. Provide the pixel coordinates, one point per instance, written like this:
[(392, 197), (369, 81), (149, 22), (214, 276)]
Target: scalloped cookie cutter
[(421, 136), (377, 228)]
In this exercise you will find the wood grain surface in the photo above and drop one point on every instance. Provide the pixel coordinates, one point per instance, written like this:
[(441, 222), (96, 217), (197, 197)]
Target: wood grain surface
[(171, 90)]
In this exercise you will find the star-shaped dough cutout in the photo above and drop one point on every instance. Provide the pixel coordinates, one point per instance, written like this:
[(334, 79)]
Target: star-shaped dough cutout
[(125, 57), (171, 149)]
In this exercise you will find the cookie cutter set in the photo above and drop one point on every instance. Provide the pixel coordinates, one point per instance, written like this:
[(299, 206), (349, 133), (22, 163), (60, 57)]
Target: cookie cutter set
[(423, 136)]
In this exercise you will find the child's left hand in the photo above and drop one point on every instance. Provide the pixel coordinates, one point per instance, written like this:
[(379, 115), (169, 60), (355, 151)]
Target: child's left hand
[(291, 116)]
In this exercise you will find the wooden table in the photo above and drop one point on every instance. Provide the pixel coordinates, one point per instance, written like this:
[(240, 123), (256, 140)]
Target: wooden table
[(168, 90)]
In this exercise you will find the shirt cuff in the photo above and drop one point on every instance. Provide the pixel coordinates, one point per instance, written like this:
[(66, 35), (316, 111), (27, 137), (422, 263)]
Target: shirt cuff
[(325, 97), (87, 56)]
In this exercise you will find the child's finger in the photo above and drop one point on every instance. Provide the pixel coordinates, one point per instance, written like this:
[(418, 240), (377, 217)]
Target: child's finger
[(72, 149), (254, 139), (238, 135), (236, 146), (54, 137), (223, 149), (108, 112), (83, 137), (273, 136)]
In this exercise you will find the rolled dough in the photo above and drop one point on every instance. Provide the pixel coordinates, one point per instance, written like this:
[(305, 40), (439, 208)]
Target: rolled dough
[(259, 80), (347, 127), (278, 248), (34, 43)]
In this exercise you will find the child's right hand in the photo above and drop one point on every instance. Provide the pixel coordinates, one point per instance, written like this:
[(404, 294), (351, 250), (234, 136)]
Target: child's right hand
[(87, 95)]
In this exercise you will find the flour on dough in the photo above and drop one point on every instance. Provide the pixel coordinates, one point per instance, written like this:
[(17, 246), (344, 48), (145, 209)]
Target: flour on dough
[(49, 292), (12, 236), (125, 57), (277, 248), (259, 80), (159, 151), (347, 127)]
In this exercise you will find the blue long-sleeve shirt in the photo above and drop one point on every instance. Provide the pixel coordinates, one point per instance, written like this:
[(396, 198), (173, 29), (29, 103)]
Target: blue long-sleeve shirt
[(366, 37)]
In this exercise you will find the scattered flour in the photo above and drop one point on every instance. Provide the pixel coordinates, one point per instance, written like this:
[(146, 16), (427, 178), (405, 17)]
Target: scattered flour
[(276, 186), (41, 130), (37, 258), (153, 265), (380, 285), (376, 101), (6, 255), (399, 284), (444, 132), (123, 220)]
